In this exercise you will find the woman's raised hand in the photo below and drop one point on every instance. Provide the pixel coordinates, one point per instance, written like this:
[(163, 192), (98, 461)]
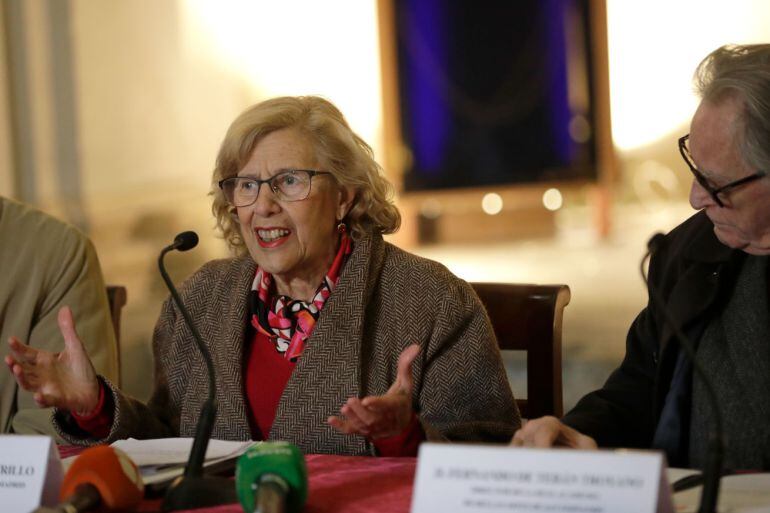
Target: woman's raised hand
[(66, 380), (385, 415)]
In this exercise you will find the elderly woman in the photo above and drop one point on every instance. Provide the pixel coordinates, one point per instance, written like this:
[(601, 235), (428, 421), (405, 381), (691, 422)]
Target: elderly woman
[(322, 334)]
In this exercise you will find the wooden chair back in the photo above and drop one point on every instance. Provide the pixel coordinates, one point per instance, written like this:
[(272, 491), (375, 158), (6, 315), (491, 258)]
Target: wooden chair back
[(529, 318), (117, 297)]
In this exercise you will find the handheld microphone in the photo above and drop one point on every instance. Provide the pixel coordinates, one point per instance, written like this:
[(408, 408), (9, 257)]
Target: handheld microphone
[(271, 477), (712, 470), (103, 479), (192, 490)]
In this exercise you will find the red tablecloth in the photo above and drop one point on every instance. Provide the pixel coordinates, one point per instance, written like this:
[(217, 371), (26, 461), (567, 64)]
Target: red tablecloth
[(340, 484)]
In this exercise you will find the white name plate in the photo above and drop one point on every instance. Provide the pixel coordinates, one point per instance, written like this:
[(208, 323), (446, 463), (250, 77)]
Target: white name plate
[(485, 479), (30, 473)]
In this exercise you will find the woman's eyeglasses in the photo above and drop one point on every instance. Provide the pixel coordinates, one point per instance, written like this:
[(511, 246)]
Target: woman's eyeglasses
[(290, 185)]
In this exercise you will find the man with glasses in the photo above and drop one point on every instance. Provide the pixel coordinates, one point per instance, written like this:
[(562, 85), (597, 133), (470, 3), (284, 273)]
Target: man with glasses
[(710, 277)]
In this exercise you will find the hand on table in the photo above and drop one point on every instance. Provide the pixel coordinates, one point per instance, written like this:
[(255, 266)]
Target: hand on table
[(66, 380), (550, 432), (385, 415)]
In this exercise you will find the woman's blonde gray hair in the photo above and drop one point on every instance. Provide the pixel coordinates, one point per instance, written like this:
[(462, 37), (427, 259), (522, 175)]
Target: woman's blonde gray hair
[(338, 150), (743, 70)]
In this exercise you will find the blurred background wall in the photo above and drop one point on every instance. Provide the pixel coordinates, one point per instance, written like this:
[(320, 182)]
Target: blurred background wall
[(111, 113)]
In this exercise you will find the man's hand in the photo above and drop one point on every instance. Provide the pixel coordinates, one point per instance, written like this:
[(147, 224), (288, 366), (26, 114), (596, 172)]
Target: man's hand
[(385, 415), (550, 432), (66, 380)]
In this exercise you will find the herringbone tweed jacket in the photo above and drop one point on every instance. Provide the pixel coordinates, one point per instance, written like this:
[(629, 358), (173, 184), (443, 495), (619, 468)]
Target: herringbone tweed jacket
[(385, 300)]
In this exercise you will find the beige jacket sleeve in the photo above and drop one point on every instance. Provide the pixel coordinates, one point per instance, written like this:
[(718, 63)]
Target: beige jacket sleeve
[(48, 264)]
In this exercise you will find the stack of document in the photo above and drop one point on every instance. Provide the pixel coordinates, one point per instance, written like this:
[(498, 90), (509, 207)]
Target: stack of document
[(161, 460), (739, 493)]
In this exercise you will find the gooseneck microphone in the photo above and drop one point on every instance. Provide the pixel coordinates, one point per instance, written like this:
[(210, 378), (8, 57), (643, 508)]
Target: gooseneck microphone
[(712, 469), (103, 479), (183, 242), (193, 490), (271, 477)]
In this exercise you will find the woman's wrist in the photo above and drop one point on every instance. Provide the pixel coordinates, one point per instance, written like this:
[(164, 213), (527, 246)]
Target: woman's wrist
[(404, 443), (94, 404)]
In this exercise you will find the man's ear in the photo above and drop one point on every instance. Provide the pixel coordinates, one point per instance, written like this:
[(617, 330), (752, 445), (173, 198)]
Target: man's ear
[(346, 196)]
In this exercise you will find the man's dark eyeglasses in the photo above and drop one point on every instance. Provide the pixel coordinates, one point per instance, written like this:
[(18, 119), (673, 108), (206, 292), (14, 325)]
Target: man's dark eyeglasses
[(714, 192)]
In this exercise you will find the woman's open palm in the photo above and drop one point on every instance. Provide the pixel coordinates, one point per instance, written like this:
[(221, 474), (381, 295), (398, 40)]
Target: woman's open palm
[(66, 380), (385, 415)]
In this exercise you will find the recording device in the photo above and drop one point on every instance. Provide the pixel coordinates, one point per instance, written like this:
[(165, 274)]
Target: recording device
[(101, 479), (712, 470), (271, 477), (192, 490)]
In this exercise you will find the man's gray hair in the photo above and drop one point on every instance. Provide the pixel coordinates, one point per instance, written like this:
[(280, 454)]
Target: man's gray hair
[(743, 70)]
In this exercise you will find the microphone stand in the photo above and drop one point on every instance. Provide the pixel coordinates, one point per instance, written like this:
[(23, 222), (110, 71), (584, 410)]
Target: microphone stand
[(194, 490), (712, 468)]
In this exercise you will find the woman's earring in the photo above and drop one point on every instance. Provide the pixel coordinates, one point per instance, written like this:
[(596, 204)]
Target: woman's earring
[(342, 227)]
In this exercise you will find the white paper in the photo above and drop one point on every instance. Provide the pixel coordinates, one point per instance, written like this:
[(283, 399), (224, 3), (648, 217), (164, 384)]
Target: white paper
[(162, 459), (30, 473), (742, 493), (168, 451), (481, 479), (675, 474)]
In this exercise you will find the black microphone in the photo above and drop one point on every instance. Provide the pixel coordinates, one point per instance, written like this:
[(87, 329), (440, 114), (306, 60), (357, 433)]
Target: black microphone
[(185, 241), (712, 469), (193, 490)]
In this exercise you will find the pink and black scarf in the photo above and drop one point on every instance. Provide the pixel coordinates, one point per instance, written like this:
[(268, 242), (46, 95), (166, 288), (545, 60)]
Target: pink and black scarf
[(289, 322)]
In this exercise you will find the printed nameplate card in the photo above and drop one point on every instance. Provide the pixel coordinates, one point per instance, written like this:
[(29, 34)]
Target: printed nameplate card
[(473, 478), (30, 472)]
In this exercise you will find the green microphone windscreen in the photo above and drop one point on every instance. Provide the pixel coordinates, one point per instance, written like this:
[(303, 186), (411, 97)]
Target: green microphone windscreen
[(270, 461)]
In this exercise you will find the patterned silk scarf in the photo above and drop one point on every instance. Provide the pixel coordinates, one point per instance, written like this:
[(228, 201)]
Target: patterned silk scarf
[(288, 322)]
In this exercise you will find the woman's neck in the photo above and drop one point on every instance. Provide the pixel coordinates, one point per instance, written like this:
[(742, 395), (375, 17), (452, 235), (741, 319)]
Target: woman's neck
[(302, 289), (303, 285)]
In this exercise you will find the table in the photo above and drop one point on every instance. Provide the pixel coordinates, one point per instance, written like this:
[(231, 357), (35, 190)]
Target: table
[(360, 484), (340, 484)]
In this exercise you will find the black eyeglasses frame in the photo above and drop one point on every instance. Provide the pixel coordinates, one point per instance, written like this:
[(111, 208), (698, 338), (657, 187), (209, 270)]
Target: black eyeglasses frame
[(703, 181)]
